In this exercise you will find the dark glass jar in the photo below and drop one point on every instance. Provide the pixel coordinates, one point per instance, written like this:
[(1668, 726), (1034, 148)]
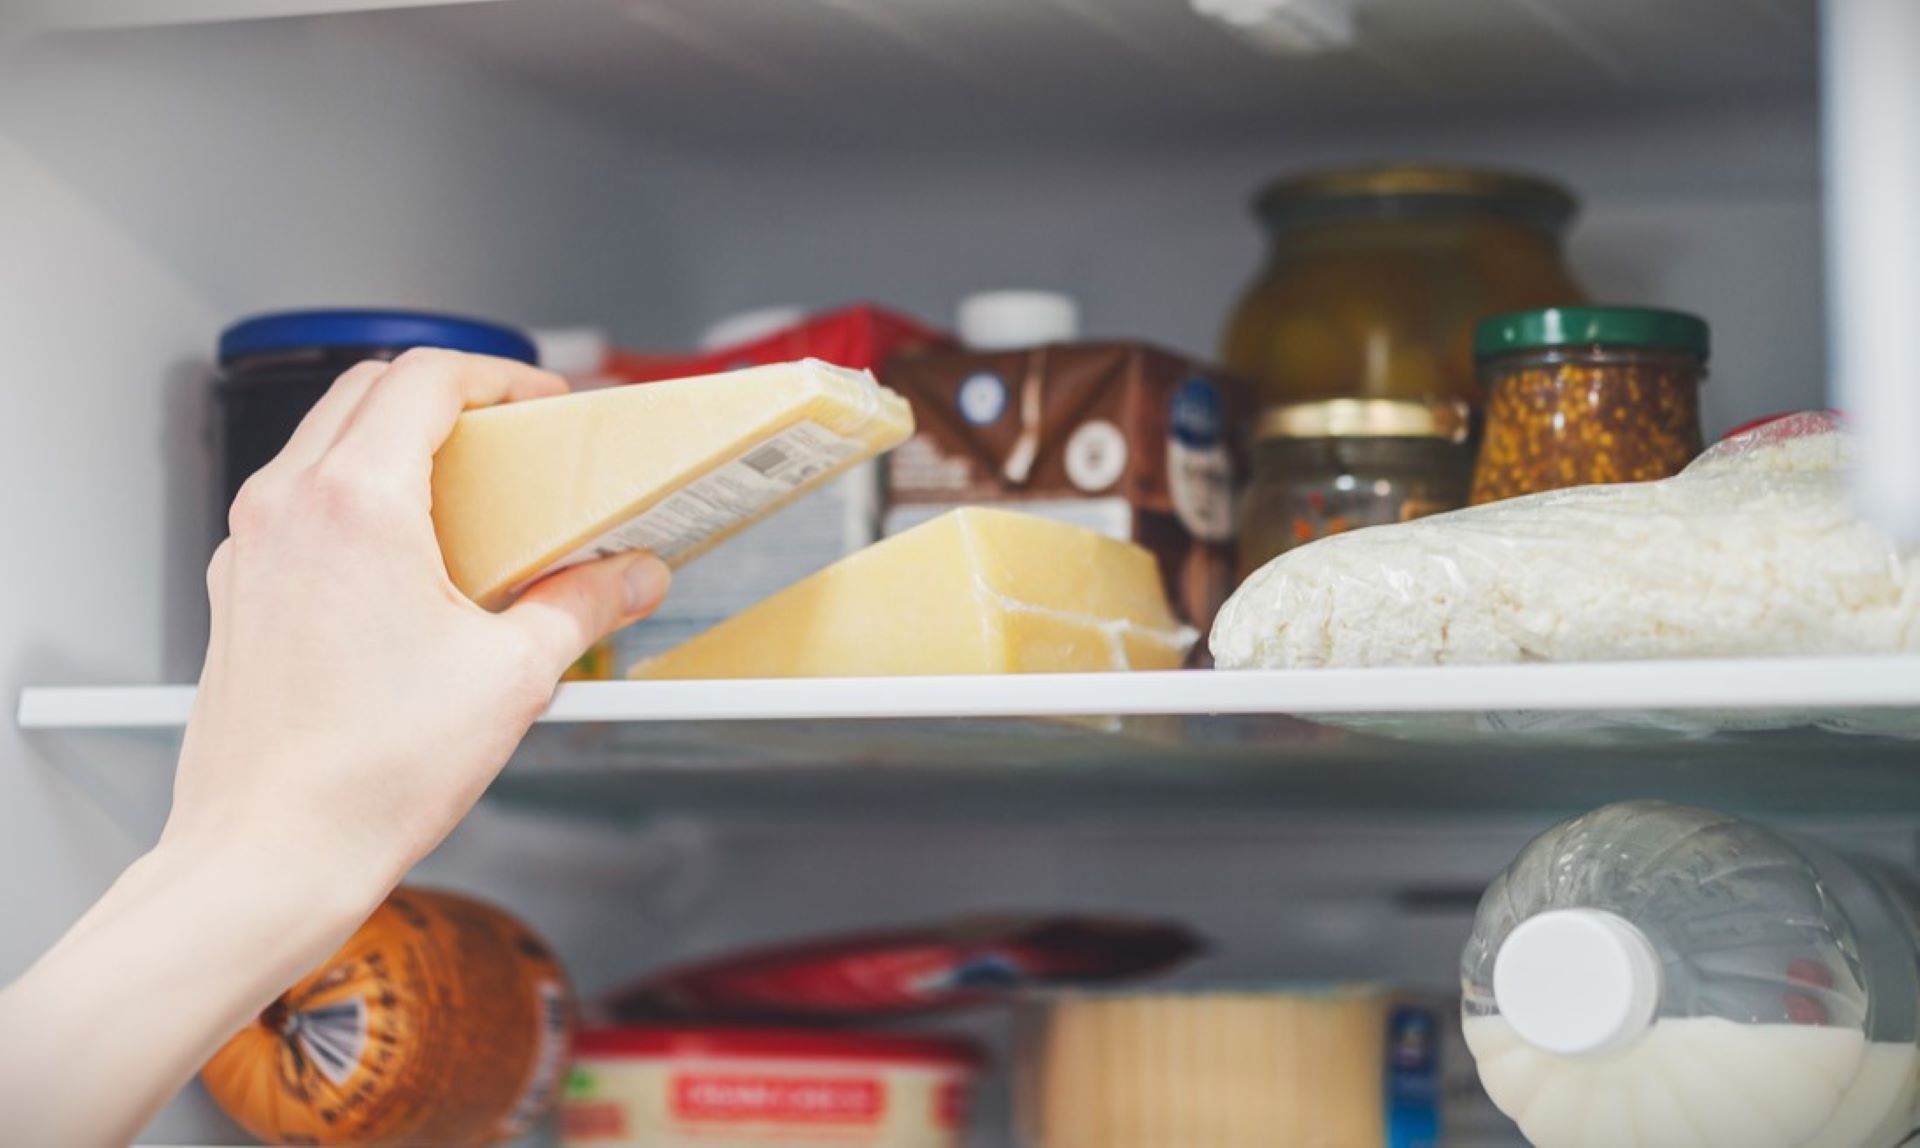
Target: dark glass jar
[(1584, 395), (273, 368), (1325, 468), (1375, 278)]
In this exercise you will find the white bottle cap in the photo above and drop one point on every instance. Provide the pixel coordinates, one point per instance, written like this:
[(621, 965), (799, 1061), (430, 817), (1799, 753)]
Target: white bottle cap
[(1577, 981), (1005, 320), (747, 326), (571, 352)]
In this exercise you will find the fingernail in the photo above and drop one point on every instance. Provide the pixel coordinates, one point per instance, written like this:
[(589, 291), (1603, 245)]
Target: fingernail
[(646, 579)]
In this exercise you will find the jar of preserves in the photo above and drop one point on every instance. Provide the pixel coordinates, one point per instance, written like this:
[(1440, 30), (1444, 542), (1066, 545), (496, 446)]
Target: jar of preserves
[(1328, 467), (1376, 277), (1583, 395)]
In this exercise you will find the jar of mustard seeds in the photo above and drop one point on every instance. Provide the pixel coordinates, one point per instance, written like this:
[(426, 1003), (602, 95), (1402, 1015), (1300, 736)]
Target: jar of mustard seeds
[(1584, 395)]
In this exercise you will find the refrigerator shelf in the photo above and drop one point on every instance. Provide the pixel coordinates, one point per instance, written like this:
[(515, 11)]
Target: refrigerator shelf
[(1789, 735), (1879, 692)]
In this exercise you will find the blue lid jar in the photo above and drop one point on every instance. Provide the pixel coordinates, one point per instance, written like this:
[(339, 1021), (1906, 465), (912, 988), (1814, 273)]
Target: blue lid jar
[(366, 333), (274, 367)]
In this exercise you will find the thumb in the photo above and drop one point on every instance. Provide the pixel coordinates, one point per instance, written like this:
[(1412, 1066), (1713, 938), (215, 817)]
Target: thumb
[(566, 612)]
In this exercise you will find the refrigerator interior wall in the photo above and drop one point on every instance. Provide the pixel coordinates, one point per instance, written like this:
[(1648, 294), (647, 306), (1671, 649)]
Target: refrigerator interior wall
[(158, 183), (1714, 210)]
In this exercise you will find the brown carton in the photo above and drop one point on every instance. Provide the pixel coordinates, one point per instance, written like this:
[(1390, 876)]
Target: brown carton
[(1122, 437)]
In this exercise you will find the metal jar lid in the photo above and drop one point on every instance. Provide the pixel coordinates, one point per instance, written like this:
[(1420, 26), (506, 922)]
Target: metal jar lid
[(1550, 328), (1366, 418), (1416, 190)]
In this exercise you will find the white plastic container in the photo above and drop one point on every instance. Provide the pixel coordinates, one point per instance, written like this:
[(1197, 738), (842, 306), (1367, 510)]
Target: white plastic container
[(1651, 974)]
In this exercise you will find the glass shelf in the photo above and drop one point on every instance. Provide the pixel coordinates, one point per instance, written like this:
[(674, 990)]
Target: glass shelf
[(1828, 735)]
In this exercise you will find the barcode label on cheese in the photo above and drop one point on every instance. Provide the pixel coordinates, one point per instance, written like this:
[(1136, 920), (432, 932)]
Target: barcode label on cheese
[(725, 497)]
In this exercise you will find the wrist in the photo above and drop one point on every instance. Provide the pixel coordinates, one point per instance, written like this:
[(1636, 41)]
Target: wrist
[(283, 903), (273, 895), (299, 841), (191, 942)]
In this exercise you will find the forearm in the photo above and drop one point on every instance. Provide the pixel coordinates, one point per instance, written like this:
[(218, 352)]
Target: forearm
[(188, 945), (353, 706)]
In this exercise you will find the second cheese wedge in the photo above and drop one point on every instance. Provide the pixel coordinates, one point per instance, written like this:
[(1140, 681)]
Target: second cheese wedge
[(972, 592), (525, 489)]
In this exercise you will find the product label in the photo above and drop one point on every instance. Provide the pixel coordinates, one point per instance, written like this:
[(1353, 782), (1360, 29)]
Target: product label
[(1413, 1079), (1200, 478), (333, 1036), (672, 1102), (919, 466), (1096, 456), (584, 1120), (950, 1105), (809, 1099), (983, 398), (723, 498), (549, 1058)]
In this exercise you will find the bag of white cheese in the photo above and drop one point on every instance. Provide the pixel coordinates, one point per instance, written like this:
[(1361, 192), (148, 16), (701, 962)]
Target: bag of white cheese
[(1752, 550)]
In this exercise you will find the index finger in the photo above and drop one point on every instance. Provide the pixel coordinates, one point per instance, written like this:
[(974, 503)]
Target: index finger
[(412, 408)]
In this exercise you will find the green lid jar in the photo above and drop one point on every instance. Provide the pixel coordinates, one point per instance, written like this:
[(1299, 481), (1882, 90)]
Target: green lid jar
[(1583, 395)]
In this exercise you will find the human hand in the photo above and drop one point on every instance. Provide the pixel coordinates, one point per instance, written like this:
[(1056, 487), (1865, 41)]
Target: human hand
[(352, 708), (354, 704)]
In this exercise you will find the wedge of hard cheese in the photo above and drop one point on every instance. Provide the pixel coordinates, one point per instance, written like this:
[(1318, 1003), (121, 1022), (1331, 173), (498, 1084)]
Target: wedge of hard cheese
[(525, 489), (974, 591)]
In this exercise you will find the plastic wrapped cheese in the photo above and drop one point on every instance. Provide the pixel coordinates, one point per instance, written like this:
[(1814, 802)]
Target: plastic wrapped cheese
[(1752, 550), (677, 467), (975, 591)]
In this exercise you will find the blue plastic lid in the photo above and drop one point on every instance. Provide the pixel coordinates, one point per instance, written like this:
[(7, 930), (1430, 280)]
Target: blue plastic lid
[(284, 331)]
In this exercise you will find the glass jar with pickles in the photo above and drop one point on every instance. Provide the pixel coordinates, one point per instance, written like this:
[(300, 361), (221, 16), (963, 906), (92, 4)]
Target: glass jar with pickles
[(1327, 467), (1376, 276), (1583, 395)]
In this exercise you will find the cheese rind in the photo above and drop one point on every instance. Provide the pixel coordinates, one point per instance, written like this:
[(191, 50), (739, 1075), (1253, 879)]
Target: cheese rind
[(974, 591), (675, 467)]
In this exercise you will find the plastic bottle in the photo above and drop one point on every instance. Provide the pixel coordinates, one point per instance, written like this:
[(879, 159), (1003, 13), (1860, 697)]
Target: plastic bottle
[(1651, 974)]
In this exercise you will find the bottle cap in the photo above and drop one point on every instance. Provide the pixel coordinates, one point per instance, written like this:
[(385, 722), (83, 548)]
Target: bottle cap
[(573, 352), (1578, 982), (750, 326), (1006, 320)]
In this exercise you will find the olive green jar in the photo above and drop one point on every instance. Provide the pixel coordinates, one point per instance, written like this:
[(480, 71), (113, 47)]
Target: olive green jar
[(1375, 279)]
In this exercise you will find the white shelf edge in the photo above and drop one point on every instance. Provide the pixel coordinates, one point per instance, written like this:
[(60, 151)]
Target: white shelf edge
[(1746, 684)]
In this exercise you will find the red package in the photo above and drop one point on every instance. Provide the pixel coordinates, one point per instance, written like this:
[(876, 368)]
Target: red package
[(861, 337), (918, 970), (1806, 422)]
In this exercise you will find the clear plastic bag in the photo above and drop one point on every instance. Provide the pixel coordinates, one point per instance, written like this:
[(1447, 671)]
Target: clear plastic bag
[(1752, 550)]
